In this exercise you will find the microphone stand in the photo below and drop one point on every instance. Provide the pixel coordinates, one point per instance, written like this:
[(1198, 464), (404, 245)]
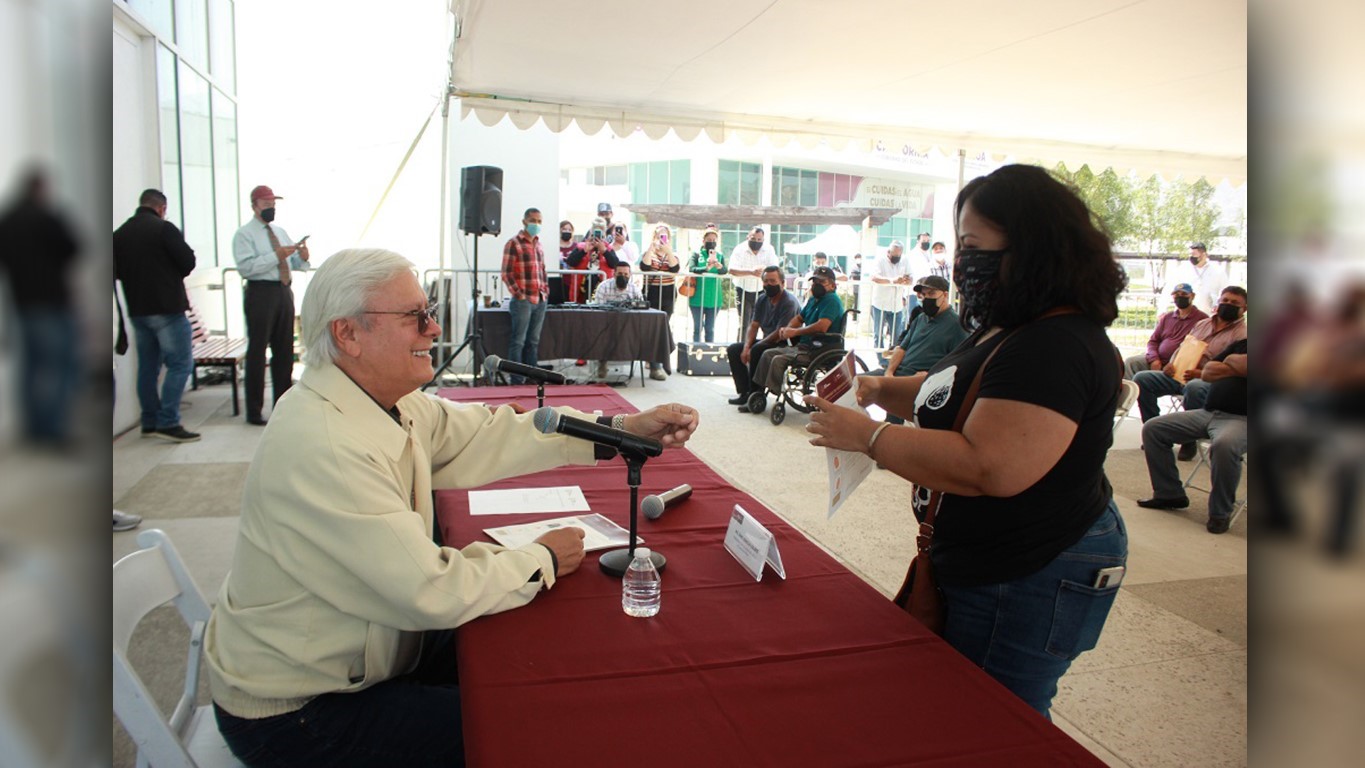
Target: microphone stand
[(617, 561), (540, 394)]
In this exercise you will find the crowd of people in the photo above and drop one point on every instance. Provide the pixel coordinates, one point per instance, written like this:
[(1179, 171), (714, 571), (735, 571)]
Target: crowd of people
[(1004, 455)]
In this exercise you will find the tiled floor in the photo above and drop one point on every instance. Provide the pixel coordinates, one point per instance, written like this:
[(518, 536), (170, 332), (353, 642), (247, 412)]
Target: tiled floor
[(1167, 685)]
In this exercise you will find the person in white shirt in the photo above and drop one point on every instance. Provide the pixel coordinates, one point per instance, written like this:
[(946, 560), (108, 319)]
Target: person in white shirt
[(891, 280), (626, 251), (747, 262), (1209, 279), (620, 290)]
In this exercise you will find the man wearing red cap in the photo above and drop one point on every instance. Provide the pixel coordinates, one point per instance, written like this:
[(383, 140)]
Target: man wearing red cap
[(266, 257)]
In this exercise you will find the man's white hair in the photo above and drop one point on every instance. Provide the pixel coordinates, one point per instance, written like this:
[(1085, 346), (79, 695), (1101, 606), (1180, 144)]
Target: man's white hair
[(341, 289)]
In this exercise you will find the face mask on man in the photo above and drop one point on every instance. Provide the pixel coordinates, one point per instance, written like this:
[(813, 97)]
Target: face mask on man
[(930, 306), (1194, 260), (818, 290), (924, 246), (893, 259), (565, 237), (1182, 302), (1229, 312), (621, 281), (709, 245), (976, 272), (533, 230), (754, 245), (268, 214), (772, 290)]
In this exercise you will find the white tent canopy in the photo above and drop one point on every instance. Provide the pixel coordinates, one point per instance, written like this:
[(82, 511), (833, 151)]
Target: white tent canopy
[(1155, 86), (836, 240)]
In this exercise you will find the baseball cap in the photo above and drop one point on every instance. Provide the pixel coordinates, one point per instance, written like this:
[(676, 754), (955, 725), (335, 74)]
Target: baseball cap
[(1197, 247), (264, 191), (604, 208), (937, 282), (824, 272), (1183, 288)]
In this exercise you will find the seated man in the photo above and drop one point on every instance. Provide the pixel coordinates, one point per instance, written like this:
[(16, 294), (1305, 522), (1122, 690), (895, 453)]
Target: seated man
[(1220, 331), (330, 642), (774, 310), (1171, 329), (823, 311), (617, 291), (932, 334), (1223, 420)]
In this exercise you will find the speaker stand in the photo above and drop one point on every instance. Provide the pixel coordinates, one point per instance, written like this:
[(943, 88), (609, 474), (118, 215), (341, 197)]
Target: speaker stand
[(473, 339)]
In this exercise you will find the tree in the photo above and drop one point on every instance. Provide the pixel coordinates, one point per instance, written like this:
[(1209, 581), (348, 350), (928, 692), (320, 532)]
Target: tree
[(1108, 196), (1192, 215)]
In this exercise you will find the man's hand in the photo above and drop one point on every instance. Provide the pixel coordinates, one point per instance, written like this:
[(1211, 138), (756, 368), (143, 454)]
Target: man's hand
[(516, 408), (567, 544), (838, 427), (744, 356), (787, 333), (1169, 370), (1155, 365), (671, 424), (1192, 374)]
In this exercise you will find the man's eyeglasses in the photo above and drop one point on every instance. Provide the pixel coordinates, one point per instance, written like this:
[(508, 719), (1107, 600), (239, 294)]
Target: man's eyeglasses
[(425, 317)]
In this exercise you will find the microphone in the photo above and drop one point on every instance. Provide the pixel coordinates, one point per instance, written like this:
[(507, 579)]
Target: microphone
[(654, 505), (548, 421), (494, 363)]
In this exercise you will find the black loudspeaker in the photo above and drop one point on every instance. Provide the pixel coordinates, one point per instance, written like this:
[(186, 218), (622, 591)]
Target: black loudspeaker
[(481, 200)]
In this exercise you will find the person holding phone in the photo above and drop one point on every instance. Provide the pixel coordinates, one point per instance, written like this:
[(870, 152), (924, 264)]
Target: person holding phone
[(1010, 434), (594, 253), (267, 258), (710, 293)]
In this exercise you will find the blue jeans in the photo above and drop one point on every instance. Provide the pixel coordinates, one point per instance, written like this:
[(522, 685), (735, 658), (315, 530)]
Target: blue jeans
[(1025, 633), (162, 340), (1227, 435), (1196, 394), (412, 720), (50, 371), (706, 315), (894, 322), (1152, 386), (524, 344)]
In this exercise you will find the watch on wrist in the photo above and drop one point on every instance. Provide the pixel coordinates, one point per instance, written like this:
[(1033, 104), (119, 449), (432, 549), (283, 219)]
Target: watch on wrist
[(618, 421)]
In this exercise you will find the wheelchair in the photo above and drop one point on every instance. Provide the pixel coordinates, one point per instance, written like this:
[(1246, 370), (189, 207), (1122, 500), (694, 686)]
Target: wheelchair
[(814, 359)]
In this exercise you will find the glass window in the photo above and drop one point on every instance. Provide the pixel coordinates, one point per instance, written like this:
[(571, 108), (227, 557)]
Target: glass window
[(192, 32), (727, 182), (168, 119), (680, 182), (739, 183), (227, 200), (222, 52), (196, 165), (894, 229), (157, 14), (616, 174), (810, 188), (750, 184)]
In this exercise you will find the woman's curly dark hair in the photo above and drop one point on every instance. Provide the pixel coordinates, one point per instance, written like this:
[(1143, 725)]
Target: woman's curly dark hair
[(1056, 255)]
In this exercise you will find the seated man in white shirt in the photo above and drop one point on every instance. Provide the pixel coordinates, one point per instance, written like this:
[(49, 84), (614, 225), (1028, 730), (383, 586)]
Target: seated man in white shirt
[(619, 290)]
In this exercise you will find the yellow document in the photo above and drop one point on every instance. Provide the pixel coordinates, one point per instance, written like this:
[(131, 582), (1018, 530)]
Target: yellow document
[(1187, 356)]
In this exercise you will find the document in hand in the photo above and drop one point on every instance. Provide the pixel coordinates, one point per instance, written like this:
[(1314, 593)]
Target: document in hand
[(598, 532), (1187, 356), (847, 469)]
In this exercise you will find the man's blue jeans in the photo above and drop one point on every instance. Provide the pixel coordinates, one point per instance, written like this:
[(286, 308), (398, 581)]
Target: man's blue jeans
[(1152, 386), (524, 344), (1025, 633), (162, 340), (51, 371), (894, 322)]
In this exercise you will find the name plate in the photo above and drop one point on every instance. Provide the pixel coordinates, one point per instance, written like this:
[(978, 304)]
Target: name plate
[(752, 545)]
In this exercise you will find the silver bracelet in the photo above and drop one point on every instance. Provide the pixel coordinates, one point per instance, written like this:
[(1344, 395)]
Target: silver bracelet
[(618, 421), (876, 434)]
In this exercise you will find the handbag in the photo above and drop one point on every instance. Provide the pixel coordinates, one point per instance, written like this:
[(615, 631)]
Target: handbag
[(920, 595), (688, 287)]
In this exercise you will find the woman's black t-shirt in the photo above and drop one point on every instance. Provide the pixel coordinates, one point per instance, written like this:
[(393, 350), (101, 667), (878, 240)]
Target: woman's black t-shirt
[(1064, 363)]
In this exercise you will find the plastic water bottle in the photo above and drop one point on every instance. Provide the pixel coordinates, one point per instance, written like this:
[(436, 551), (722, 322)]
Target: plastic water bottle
[(641, 590)]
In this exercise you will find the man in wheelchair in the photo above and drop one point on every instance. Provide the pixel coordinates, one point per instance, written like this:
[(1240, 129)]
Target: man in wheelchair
[(808, 338)]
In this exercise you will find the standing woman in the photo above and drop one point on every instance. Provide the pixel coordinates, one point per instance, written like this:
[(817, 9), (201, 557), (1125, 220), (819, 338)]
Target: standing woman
[(1027, 537), (710, 293), (659, 263)]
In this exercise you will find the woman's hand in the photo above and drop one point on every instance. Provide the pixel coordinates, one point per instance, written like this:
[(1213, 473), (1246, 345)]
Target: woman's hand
[(838, 427), (869, 388)]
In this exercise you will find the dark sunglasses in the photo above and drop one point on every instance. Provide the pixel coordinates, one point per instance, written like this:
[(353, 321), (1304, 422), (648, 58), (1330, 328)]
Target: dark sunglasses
[(425, 317)]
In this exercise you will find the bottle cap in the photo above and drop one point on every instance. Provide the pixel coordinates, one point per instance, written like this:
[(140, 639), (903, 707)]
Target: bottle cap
[(641, 552)]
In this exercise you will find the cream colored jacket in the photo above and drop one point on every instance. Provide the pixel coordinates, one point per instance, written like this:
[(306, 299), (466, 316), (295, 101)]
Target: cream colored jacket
[(335, 574)]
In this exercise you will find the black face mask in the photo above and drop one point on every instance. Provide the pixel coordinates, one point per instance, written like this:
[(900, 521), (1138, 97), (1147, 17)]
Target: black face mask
[(1194, 260), (772, 290), (621, 281), (818, 290), (267, 215), (976, 273), (894, 259), (754, 245), (930, 307), (708, 246), (1182, 302), (1228, 312), (565, 237), (924, 246)]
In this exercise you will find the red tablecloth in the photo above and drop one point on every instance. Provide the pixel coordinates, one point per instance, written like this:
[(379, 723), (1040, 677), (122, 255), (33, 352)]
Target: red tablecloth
[(816, 670)]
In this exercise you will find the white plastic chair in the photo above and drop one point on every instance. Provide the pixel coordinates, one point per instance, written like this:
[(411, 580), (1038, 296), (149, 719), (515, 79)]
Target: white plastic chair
[(145, 580), (1127, 396), (1238, 505)]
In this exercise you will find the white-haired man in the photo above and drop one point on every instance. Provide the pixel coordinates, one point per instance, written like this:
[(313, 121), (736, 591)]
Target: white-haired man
[(330, 642)]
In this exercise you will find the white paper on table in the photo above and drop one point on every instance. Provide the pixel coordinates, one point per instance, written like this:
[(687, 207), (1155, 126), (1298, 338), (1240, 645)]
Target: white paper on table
[(598, 532), (847, 469), (511, 501)]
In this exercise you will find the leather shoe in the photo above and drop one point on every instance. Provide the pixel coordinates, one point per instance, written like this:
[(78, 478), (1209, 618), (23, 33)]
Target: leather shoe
[(741, 400), (258, 421), (1157, 502), (1187, 452), (1218, 524)]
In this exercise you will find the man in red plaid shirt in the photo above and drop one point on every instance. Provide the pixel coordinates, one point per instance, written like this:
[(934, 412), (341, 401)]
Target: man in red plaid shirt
[(523, 272)]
